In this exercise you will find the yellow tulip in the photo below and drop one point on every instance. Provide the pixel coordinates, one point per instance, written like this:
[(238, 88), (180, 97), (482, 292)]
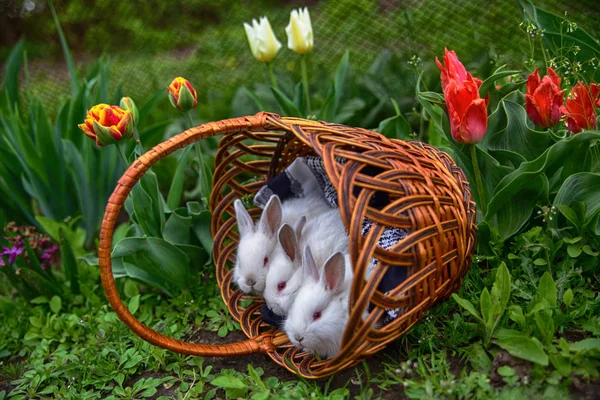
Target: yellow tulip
[(263, 43), (299, 31)]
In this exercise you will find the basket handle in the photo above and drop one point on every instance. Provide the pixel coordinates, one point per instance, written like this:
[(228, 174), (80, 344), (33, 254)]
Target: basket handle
[(132, 175)]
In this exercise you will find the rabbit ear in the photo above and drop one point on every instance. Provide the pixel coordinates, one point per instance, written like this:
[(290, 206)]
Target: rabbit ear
[(270, 220), (335, 271), (298, 226), (289, 243), (309, 267), (244, 221)]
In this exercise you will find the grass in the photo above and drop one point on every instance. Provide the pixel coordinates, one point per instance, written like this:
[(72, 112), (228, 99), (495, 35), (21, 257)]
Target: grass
[(83, 351)]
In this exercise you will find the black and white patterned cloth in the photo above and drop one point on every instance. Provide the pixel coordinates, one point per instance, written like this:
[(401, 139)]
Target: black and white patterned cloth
[(306, 175)]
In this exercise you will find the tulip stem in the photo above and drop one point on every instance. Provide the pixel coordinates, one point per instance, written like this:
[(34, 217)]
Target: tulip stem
[(122, 156), (199, 150), (304, 72), (271, 75), (477, 173)]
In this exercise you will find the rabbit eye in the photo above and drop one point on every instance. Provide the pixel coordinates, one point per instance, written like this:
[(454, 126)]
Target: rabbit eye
[(316, 315), (281, 286), (266, 261)]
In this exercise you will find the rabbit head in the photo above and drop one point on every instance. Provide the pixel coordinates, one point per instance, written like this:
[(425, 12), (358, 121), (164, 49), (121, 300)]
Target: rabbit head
[(256, 246), (284, 277), (318, 316)]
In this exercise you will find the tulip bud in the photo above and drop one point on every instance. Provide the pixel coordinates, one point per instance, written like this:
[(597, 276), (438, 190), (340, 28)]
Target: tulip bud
[(580, 107), (263, 43), (107, 124), (128, 104), (467, 111), (299, 31), (544, 98), (182, 94)]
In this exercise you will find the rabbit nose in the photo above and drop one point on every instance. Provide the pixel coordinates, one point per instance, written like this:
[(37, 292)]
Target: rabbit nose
[(299, 338), (250, 282)]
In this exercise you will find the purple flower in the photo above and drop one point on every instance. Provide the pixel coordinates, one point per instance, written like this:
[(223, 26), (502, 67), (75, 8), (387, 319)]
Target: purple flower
[(2, 264), (12, 253)]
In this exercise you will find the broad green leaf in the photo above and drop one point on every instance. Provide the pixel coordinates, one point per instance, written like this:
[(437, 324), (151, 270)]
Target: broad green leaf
[(489, 82), (526, 348), (396, 127), (585, 345), (157, 257), (177, 227), (144, 211), (12, 69), (568, 297), (69, 263), (574, 250), (176, 190), (545, 324), (55, 304), (485, 304), (134, 304), (524, 183), (228, 382), (547, 289), (201, 227), (561, 363), (467, 305), (341, 73), (516, 136), (501, 287), (581, 187)]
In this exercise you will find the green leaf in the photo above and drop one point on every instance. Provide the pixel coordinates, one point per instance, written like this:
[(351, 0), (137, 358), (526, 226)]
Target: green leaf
[(524, 182), (568, 297), (228, 382), (467, 305), (69, 263), (489, 82), (485, 304), (340, 78), (157, 257), (526, 348), (55, 304), (201, 227), (66, 52), (583, 187), (585, 345), (288, 107), (177, 227), (506, 371), (501, 287), (547, 289), (574, 250), (569, 214), (176, 190), (10, 83), (134, 304), (144, 211), (561, 363), (396, 127)]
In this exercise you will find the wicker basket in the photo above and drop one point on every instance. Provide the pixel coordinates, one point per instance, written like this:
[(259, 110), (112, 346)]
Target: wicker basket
[(429, 197)]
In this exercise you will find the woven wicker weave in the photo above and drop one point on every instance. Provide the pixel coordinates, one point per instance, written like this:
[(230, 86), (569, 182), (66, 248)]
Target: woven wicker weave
[(429, 197)]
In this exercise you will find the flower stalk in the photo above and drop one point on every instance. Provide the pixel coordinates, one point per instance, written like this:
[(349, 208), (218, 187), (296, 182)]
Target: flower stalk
[(304, 71), (478, 181)]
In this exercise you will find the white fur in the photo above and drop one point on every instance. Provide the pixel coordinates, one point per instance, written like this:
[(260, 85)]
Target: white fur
[(322, 336), (325, 235), (259, 241)]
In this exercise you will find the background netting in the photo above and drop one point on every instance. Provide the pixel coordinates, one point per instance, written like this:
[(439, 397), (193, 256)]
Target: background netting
[(152, 41)]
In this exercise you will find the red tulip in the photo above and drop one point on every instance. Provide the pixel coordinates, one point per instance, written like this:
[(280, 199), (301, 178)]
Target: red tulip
[(466, 109), (544, 98), (453, 69), (580, 107)]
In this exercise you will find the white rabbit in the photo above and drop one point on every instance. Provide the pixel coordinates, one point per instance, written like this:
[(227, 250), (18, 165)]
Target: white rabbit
[(318, 316), (258, 242), (324, 234)]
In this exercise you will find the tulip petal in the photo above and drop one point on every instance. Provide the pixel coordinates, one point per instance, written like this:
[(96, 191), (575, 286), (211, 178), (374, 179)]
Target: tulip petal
[(475, 120), (533, 81)]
